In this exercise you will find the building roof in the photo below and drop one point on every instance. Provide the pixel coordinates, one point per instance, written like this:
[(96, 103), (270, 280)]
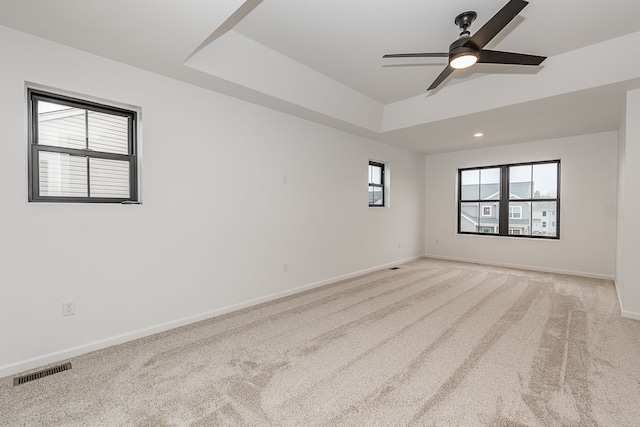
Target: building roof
[(519, 190)]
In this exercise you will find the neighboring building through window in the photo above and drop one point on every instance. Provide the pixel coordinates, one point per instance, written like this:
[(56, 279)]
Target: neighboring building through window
[(515, 212), (520, 197), (80, 151), (376, 184)]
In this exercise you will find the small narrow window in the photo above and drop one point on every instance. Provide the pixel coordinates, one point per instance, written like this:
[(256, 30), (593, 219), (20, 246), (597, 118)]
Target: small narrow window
[(376, 184), (80, 151)]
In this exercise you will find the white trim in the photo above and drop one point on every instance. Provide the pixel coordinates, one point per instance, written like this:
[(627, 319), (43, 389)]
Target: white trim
[(524, 267), (623, 312), (82, 96), (630, 315), (58, 356)]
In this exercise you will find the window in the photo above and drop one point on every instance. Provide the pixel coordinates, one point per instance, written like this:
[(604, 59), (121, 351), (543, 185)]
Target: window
[(510, 200), (80, 151), (376, 184), (481, 188), (515, 212)]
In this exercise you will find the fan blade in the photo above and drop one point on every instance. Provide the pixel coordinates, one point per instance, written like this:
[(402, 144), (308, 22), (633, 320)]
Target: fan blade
[(443, 75), (496, 24), (498, 57), (417, 55)]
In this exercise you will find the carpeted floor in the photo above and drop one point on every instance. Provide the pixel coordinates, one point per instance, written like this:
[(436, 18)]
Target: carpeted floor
[(433, 343)]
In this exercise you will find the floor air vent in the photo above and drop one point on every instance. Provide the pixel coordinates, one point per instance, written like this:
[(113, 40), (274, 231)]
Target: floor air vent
[(41, 374), (394, 268)]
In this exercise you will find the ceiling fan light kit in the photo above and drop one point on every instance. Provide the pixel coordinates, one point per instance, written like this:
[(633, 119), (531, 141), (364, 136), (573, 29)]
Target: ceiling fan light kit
[(463, 59), (468, 50)]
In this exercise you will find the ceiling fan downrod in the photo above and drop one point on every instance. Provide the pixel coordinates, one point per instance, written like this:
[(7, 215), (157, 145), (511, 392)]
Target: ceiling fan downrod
[(464, 21)]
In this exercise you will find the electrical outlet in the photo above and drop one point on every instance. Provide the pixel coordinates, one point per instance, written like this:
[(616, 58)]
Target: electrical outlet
[(68, 308)]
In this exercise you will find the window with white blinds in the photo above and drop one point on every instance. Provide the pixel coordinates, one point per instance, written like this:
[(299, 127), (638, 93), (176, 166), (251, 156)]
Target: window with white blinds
[(80, 151)]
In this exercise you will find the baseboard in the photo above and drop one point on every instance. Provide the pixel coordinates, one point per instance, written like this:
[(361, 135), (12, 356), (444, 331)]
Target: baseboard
[(630, 315), (615, 283), (58, 356), (524, 267), (625, 313)]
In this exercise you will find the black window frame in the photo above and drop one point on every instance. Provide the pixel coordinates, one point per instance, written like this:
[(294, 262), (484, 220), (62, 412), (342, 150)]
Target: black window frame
[(35, 95), (503, 201), (381, 185)]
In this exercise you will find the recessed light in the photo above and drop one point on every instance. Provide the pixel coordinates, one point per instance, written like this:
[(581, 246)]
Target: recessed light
[(478, 135)]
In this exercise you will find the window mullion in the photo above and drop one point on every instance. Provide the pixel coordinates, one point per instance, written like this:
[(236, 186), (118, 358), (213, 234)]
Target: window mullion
[(81, 152), (504, 201), (86, 145), (382, 183), (34, 186), (459, 199), (558, 201), (133, 172), (88, 177)]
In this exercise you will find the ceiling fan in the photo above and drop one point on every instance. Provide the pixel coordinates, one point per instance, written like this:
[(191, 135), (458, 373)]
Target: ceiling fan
[(468, 50)]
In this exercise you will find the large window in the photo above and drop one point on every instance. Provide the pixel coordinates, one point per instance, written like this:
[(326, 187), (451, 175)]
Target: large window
[(376, 184), (80, 151), (510, 200)]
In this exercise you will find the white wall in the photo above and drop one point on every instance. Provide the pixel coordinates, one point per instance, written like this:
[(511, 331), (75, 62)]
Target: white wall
[(628, 246), (587, 210), (216, 224)]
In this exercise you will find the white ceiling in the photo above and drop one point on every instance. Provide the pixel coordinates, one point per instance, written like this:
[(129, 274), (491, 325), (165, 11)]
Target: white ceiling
[(345, 40), (322, 60)]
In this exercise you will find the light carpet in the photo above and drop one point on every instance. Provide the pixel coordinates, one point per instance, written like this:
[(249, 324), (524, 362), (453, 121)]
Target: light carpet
[(435, 343)]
